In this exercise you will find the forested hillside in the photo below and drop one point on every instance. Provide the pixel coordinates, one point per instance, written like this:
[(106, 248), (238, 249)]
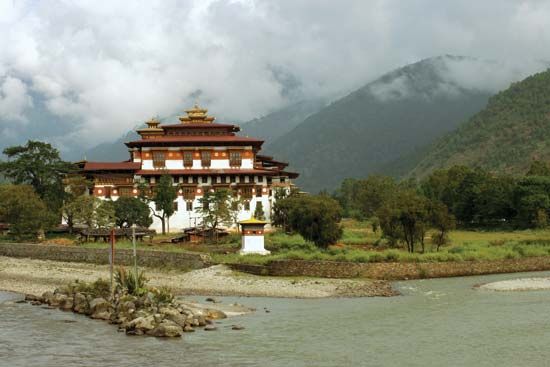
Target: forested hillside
[(374, 126), (504, 137)]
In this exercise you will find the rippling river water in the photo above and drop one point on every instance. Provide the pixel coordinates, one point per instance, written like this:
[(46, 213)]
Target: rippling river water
[(438, 322)]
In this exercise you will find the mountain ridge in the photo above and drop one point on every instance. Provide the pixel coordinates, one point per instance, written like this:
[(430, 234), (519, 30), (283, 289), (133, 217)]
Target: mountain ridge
[(361, 133)]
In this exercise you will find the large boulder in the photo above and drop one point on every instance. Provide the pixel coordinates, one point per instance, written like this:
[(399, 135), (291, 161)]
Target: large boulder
[(140, 325), (100, 308), (174, 315), (48, 297), (65, 302), (125, 311), (33, 298), (214, 314), (81, 304), (166, 328)]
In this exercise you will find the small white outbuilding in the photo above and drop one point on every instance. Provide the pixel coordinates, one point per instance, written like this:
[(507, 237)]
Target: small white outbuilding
[(252, 231)]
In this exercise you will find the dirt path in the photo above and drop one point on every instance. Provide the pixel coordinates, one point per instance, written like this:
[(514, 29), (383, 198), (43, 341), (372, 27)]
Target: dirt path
[(37, 276)]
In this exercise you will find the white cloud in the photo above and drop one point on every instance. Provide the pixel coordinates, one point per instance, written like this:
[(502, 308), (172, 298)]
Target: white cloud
[(14, 99), (109, 65)]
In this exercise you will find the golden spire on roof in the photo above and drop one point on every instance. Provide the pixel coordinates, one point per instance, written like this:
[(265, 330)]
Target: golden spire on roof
[(152, 128), (153, 123), (196, 115)]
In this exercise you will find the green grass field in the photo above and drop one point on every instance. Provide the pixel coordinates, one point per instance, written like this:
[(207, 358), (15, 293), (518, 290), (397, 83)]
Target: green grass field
[(359, 244)]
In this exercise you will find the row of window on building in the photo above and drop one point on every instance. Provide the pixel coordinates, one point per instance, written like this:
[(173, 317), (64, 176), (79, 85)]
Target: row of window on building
[(217, 179), (188, 192), (189, 206), (159, 159)]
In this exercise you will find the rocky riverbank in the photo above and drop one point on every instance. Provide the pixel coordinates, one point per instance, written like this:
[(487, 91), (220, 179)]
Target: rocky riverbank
[(38, 276), (154, 313)]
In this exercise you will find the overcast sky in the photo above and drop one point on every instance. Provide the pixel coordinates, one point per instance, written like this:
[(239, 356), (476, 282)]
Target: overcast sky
[(97, 68)]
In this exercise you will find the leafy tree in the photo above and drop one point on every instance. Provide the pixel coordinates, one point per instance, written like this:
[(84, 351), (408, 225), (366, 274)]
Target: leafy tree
[(388, 216), (92, 212), (442, 221), (495, 202), (362, 198), (281, 208), (531, 198), (104, 213), (259, 211), (316, 218), (23, 209), (164, 195), (75, 186), (130, 211), (235, 207), (37, 164), (406, 219), (346, 195), (215, 208)]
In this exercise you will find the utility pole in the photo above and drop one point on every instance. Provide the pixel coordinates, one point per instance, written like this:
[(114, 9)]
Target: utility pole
[(135, 251), (112, 258)]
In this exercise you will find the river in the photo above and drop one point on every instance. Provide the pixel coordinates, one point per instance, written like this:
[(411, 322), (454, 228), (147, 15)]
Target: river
[(437, 322)]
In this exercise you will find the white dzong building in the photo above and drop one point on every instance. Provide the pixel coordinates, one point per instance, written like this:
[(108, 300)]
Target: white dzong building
[(200, 155)]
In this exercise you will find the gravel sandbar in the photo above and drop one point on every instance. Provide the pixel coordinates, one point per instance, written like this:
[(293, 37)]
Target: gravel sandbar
[(37, 276), (523, 284)]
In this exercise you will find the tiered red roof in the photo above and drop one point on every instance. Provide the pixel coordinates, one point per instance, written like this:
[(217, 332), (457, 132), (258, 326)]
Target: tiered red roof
[(194, 139), (195, 128)]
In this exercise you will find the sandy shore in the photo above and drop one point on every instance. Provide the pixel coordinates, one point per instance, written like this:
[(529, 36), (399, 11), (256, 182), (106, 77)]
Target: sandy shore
[(37, 276), (524, 284)]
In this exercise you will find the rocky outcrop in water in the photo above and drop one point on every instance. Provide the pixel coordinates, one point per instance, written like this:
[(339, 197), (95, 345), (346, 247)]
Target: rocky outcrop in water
[(148, 314)]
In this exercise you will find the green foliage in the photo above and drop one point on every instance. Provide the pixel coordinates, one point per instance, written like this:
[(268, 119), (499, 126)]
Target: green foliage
[(75, 186), (38, 164), (164, 195), (259, 211), (91, 211), (162, 295), (280, 242), (23, 209), (361, 199), (406, 218), (539, 168), (472, 195), (281, 208), (532, 200), (128, 282), (216, 208), (442, 221), (130, 211), (316, 218), (236, 204), (99, 288)]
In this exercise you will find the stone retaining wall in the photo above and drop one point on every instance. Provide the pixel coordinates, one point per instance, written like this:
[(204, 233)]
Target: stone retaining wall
[(394, 271), (158, 259)]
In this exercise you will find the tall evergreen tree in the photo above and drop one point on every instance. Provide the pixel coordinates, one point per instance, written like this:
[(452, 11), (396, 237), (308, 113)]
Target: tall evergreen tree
[(38, 164), (164, 195)]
